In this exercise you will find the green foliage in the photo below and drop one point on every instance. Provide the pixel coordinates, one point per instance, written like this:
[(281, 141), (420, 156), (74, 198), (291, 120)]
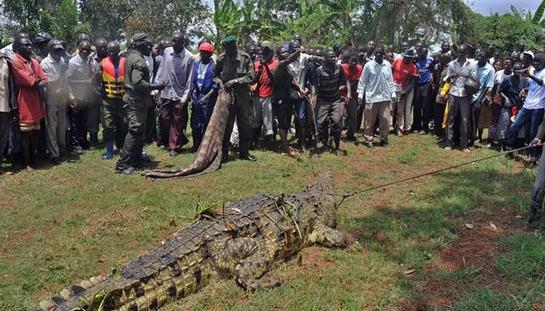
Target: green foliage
[(505, 31), (106, 17), (160, 18)]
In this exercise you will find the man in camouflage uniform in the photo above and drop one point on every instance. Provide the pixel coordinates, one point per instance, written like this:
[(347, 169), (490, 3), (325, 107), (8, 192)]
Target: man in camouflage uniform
[(234, 72), (137, 100)]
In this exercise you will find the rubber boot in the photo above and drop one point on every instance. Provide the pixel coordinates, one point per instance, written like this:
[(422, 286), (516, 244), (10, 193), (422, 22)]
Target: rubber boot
[(109, 151)]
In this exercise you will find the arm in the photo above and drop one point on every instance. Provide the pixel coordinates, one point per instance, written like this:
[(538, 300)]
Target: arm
[(363, 82), (536, 79), (540, 135), (23, 77), (217, 72), (186, 95), (137, 78), (250, 74)]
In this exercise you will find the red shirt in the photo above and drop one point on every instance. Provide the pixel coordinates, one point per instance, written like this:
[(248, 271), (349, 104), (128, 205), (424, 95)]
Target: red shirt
[(265, 82), (403, 71), (353, 75), (25, 73)]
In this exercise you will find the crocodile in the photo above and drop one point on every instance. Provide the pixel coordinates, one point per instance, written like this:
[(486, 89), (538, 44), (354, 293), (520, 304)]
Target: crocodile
[(209, 155), (242, 241)]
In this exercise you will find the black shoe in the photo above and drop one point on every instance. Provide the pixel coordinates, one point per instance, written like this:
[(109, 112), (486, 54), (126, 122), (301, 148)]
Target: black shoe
[(55, 161), (248, 157), (225, 158), (383, 143)]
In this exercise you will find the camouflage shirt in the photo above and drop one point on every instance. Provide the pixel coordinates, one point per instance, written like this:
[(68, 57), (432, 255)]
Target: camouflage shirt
[(240, 68)]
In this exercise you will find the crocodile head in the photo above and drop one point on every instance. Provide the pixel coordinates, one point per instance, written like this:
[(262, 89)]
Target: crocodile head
[(323, 198)]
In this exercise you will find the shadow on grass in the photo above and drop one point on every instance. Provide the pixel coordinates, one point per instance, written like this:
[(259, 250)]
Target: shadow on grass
[(409, 235)]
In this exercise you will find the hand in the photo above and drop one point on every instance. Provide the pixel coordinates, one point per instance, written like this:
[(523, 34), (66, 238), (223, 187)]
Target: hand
[(42, 83), (204, 100), (230, 84), (394, 97), (535, 142)]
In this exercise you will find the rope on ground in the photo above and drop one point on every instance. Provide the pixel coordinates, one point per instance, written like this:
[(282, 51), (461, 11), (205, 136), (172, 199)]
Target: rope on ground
[(359, 192)]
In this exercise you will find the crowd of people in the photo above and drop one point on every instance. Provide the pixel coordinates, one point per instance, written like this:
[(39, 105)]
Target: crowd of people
[(53, 101)]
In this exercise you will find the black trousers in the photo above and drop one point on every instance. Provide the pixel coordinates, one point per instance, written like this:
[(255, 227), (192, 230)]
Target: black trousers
[(78, 126), (423, 110)]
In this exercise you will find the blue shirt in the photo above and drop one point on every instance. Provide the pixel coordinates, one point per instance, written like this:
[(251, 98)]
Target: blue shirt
[(485, 75), (425, 68)]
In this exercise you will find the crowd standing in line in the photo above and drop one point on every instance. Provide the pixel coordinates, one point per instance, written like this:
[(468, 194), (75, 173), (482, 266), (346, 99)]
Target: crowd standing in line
[(53, 101)]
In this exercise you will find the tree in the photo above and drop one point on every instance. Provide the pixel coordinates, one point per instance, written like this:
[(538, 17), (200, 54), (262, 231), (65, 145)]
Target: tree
[(106, 18), (159, 18)]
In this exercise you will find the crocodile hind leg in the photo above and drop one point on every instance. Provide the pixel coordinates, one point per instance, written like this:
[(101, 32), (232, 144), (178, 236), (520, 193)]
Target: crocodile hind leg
[(250, 270), (328, 237), (247, 259)]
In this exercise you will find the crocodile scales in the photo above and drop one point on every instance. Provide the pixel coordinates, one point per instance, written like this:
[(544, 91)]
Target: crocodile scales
[(242, 241)]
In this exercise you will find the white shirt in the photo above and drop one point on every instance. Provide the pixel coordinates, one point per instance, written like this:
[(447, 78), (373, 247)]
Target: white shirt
[(500, 76), (377, 82), (4, 85), (298, 69), (536, 93)]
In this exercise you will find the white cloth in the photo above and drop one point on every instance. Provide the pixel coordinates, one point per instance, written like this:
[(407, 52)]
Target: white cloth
[(536, 93), (4, 86), (377, 82), (298, 69)]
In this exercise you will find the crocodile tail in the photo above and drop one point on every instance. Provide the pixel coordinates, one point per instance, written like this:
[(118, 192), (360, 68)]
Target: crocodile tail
[(209, 154), (86, 296)]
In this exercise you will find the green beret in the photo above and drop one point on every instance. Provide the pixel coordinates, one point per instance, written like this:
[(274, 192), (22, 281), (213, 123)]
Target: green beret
[(140, 38), (229, 39)]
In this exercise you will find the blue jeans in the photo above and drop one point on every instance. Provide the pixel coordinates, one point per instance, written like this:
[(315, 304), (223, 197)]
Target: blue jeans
[(530, 117)]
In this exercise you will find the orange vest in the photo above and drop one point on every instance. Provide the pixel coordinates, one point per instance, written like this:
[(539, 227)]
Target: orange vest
[(113, 88)]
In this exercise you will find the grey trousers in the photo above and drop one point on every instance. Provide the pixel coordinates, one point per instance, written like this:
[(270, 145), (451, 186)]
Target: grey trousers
[(4, 132), (372, 111), (404, 110), (329, 117), (499, 130), (459, 106), (262, 109), (56, 126)]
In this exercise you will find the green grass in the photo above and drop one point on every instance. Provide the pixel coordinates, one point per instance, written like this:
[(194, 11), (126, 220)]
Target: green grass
[(73, 221)]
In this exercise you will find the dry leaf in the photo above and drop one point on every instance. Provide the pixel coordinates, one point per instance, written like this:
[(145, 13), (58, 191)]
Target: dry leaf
[(172, 223), (469, 226), (493, 226), (102, 259), (409, 272)]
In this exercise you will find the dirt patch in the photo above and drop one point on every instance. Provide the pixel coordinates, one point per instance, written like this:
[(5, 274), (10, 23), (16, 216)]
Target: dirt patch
[(473, 256)]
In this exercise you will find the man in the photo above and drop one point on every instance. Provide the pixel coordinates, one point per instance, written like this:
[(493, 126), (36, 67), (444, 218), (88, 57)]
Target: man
[(175, 71), (283, 83), (7, 51), (531, 113), (55, 68), (262, 105), (377, 87), (80, 74), (137, 100), (404, 75), (527, 58), (93, 110), (445, 48), (371, 46), (204, 93), (352, 71), (234, 72), (8, 102), (536, 217), (329, 110), (111, 78), (41, 42), (423, 106), (459, 71), (485, 76), (510, 88), (29, 79)]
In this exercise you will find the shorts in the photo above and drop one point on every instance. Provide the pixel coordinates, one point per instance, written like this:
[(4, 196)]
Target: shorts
[(300, 108), (283, 110)]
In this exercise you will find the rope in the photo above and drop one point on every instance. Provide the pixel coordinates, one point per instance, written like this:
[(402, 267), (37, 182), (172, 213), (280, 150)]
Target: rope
[(359, 192)]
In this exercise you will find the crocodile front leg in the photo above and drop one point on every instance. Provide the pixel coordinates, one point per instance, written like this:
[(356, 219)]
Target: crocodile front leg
[(328, 237)]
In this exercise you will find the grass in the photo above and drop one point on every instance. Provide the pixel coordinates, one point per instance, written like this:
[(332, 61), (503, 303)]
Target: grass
[(79, 219)]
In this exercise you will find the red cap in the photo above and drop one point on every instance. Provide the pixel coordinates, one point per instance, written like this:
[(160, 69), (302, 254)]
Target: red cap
[(206, 47)]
